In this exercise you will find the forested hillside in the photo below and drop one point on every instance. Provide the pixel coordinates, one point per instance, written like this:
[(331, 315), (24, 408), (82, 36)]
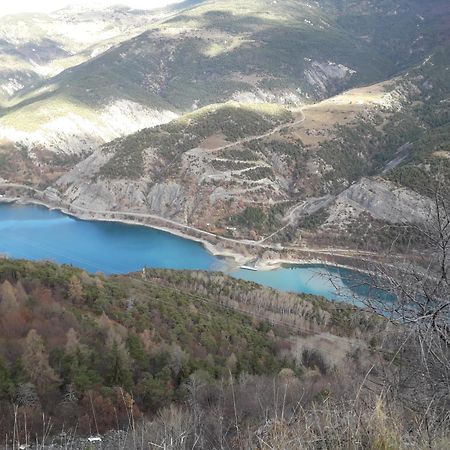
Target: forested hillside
[(70, 339), (223, 363)]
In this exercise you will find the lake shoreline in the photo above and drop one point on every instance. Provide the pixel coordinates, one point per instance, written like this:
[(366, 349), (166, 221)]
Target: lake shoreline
[(234, 259), (224, 254)]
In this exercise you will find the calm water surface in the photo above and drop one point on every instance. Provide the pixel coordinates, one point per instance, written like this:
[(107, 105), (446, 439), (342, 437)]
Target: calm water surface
[(36, 233)]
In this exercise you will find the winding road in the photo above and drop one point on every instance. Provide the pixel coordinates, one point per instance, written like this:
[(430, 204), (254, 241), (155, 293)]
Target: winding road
[(111, 215), (72, 209), (262, 136)]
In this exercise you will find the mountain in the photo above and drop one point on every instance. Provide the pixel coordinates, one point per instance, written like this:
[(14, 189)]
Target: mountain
[(290, 123), (215, 51), (298, 176), (34, 47), (170, 170)]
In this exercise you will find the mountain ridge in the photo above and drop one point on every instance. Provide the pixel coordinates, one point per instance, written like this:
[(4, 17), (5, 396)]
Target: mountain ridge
[(178, 71)]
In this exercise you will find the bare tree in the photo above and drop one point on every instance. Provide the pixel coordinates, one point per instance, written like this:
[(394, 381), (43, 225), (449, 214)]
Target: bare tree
[(414, 296)]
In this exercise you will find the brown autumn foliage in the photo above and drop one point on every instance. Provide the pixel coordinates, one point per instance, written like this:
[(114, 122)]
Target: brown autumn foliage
[(98, 352)]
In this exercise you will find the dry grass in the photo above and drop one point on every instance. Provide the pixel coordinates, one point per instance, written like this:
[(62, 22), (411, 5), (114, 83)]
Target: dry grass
[(342, 109), (214, 141), (326, 425), (333, 348), (442, 154)]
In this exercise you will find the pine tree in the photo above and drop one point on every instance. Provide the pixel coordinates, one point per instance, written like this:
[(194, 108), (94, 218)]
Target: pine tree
[(119, 372)]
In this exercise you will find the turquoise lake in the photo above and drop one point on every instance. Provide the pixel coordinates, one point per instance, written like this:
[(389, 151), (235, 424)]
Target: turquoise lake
[(36, 233)]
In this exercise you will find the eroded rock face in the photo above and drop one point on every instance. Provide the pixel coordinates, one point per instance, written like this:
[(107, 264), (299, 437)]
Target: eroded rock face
[(385, 201), (324, 76), (122, 117), (166, 199), (85, 170), (285, 97), (82, 188), (75, 133), (107, 195)]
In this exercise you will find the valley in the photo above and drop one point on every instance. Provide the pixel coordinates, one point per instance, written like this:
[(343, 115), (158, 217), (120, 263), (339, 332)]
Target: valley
[(34, 233), (225, 224), (233, 181)]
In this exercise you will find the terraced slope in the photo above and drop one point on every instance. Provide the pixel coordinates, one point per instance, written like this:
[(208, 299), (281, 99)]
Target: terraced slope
[(173, 170), (296, 177)]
